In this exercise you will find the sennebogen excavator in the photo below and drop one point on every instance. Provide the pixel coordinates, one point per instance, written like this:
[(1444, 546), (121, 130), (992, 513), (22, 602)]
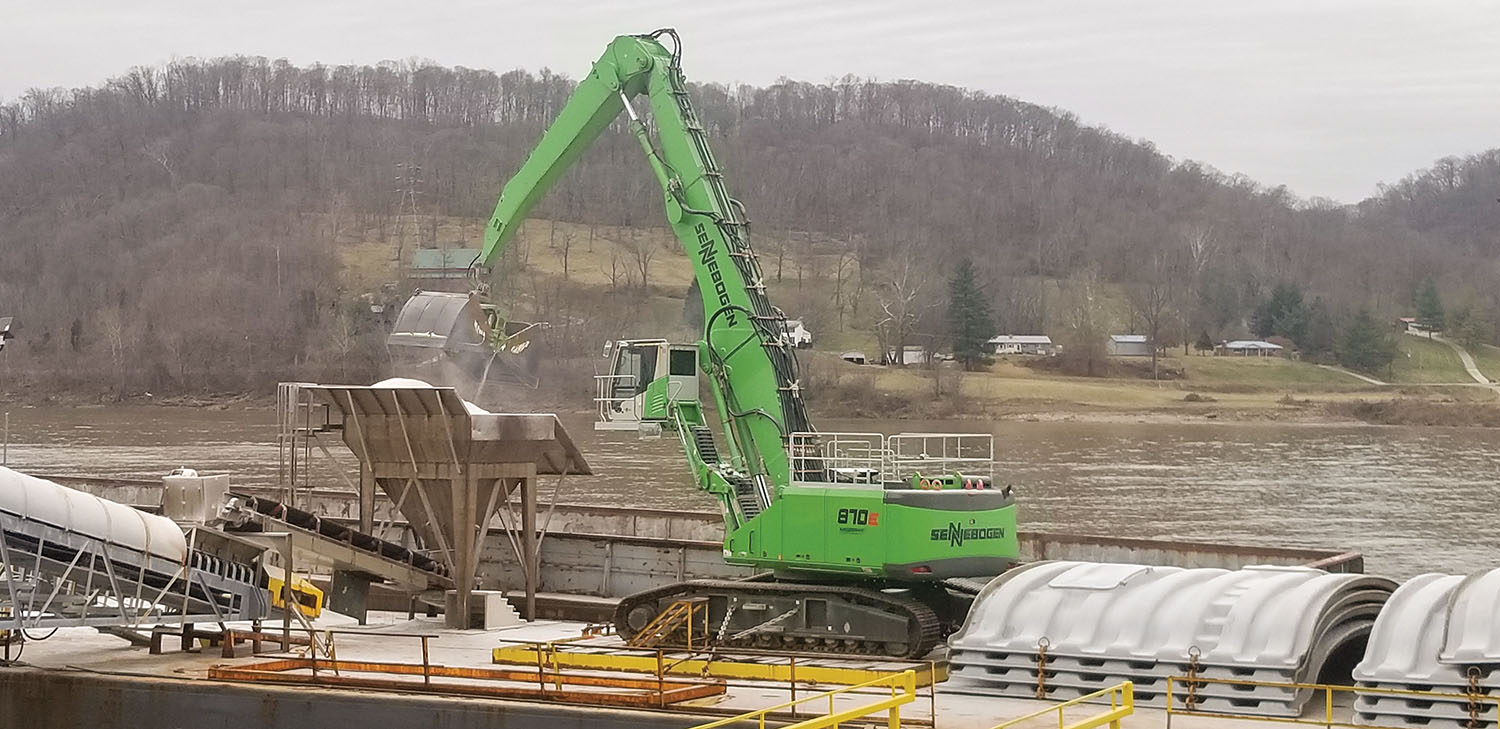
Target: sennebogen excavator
[(852, 535)]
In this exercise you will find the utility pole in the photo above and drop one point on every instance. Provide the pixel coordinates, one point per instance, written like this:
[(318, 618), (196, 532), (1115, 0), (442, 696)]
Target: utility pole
[(5, 337), (409, 192)]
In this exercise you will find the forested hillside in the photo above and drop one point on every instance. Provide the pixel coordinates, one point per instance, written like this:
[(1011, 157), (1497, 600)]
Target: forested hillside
[(184, 228)]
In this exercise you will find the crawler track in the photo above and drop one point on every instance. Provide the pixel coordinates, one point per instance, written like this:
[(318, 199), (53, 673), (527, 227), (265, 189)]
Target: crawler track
[(804, 617)]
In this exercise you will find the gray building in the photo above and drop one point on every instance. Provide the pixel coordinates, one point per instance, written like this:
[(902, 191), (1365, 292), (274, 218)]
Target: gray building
[(1129, 345)]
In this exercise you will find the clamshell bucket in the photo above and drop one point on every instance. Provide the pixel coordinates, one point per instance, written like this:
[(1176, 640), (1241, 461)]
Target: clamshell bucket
[(436, 328), (435, 320)]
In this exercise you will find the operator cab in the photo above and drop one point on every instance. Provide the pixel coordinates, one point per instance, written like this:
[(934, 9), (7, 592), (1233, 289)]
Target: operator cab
[(642, 376)]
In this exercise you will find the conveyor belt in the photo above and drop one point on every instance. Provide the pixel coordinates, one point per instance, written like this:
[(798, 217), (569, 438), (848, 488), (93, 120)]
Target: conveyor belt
[(339, 544)]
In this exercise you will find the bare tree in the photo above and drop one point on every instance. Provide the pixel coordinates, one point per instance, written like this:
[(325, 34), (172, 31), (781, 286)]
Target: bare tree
[(643, 250), (778, 246), (1085, 323), (1201, 244), (564, 246), (617, 271), (345, 340), (112, 323), (159, 151), (902, 307), (844, 271), (1152, 297)]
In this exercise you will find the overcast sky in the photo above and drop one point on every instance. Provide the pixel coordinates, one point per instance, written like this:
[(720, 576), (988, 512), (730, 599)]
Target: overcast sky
[(1328, 97)]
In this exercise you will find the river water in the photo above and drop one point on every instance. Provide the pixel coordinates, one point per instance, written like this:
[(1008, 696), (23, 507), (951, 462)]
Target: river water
[(1412, 499)]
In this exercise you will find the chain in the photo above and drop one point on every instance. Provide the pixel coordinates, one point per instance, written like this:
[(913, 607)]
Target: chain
[(1192, 682), (1041, 667), (1474, 693), (724, 626), (766, 624)]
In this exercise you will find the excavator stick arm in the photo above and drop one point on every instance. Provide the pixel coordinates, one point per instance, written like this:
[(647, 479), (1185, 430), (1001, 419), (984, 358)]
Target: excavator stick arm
[(750, 360)]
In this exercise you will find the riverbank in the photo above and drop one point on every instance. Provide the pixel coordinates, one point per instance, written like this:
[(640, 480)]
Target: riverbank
[(1205, 389)]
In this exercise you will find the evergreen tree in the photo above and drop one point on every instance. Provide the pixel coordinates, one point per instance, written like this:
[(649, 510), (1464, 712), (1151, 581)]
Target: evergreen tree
[(1205, 343), (1429, 307), (1476, 329), (1469, 324), (1322, 332), (1365, 344), (970, 325), (1282, 315)]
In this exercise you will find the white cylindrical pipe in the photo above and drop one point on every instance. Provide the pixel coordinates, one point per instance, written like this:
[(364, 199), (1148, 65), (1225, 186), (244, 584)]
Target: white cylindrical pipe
[(43, 501)]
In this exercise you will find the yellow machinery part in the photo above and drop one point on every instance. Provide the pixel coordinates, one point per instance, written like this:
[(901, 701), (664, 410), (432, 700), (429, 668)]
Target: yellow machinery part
[(309, 598)]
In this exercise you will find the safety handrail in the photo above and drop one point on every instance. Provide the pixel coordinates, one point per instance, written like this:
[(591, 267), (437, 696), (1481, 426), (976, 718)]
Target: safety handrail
[(891, 458), (903, 687), (1121, 705), (604, 394), (1190, 696)]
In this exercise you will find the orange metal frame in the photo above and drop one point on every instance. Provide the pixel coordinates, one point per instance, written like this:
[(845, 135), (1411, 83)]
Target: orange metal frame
[(618, 691)]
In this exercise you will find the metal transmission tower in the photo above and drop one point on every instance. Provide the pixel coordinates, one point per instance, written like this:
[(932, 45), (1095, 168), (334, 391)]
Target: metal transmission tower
[(409, 195)]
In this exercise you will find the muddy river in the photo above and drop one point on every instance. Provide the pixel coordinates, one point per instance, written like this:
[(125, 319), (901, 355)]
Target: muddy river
[(1411, 499)]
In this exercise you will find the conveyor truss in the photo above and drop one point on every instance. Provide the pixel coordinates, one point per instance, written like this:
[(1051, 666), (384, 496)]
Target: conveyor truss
[(57, 578)]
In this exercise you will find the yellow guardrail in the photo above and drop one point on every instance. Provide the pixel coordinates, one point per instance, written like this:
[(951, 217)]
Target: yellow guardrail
[(748, 665), (903, 691), (1184, 690), (1121, 704)]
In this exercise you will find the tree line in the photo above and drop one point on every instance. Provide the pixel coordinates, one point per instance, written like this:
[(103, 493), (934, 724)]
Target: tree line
[(178, 227)]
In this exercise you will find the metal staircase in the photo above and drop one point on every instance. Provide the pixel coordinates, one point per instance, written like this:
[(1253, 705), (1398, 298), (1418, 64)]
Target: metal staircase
[(689, 617)]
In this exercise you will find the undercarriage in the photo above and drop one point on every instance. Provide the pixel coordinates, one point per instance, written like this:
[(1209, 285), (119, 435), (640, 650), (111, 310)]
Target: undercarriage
[(905, 621)]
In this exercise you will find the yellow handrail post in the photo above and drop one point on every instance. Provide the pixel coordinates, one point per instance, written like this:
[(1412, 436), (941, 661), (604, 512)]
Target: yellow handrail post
[(1127, 703), (1121, 704), (1328, 708), (792, 682), (1170, 706), (903, 691)]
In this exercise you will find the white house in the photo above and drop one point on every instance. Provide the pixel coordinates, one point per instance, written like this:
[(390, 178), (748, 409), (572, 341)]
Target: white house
[(910, 355), (1023, 344), (1129, 345), (799, 334)]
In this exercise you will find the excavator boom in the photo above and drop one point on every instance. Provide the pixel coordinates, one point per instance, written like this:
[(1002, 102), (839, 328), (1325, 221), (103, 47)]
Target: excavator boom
[(749, 357)]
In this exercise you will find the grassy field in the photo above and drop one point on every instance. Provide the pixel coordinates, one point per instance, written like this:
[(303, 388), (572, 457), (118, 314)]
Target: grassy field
[(1487, 357), (1262, 372), (1422, 361), (1247, 386)]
